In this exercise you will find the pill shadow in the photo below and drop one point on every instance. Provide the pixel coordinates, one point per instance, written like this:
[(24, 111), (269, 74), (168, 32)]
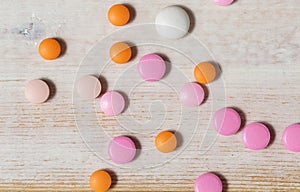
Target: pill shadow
[(113, 176), (191, 16), (218, 69), (272, 132), (52, 88), (63, 46), (126, 98), (243, 117), (168, 63), (104, 84), (134, 50), (137, 144), (206, 92), (223, 179), (131, 11)]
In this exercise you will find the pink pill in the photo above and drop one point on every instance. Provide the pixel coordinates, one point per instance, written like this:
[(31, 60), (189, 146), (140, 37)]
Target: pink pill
[(227, 121), (112, 103), (256, 136), (223, 2), (37, 91), (208, 182), (191, 94), (89, 87), (121, 150), (151, 67), (291, 138)]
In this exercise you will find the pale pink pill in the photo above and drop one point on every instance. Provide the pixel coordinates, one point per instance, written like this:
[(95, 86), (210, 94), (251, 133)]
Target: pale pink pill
[(37, 91), (112, 103), (89, 87), (191, 94), (151, 67), (223, 2), (291, 138), (227, 121), (121, 150), (256, 136), (208, 182)]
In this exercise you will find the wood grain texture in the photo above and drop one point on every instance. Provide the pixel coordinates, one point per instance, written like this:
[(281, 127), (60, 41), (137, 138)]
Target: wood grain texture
[(257, 44)]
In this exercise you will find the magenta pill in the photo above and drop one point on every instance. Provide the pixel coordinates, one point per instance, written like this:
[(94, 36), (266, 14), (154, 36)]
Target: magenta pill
[(191, 94), (227, 121), (291, 138), (112, 103), (121, 150), (151, 67), (256, 136), (208, 182), (37, 91), (223, 2)]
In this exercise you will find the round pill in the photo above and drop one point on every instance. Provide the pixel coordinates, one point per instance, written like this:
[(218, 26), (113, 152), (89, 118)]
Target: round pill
[(89, 87), (49, 49), (118, 15), (205, 73), (223, 2), (151, 67), (256, 136), (208, 182), (112, 103), (120, 53), (291, 138), (172, 22), (37, 91), (166, 142), (100, 181), (121, 150), (227, 121), (191, 94)]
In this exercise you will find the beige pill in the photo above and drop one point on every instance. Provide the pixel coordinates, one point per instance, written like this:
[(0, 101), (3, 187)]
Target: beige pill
[(37, 91), (89, 87)]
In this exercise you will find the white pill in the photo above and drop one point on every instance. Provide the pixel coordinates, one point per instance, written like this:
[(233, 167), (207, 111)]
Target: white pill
[(173, 22)]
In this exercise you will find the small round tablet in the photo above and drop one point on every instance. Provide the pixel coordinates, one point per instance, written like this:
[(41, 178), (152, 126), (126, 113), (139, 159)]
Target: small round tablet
[(191, 94), (89, 87), (172, 22), (166, 142), (120, 53), (121, 150), (112, 103), (208, 182), (50, 49), (37, 91), (223, 2), (118, 15), (205, 73), (256, 136), (291, 138), (227, 121), (151, 67), (100, 181)]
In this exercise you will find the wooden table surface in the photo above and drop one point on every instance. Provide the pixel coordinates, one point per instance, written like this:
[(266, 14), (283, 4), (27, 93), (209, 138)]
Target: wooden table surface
[(55, 146)]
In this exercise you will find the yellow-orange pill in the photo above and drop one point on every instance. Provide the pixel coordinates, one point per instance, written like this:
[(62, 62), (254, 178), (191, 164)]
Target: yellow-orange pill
[(166, 142), (205, 73), (118, 15), (100, 181), (120, 53), (50, 49)]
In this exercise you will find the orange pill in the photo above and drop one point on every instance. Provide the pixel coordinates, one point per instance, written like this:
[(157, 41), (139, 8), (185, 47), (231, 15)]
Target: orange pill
[(205, 73), (119, 15), (100, 181), (166, 142), (49, 49), (120, 53)]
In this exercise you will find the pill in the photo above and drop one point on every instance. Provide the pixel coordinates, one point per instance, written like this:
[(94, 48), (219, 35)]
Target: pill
[(208, 182), (291, 138), (121, 150), (205, 73), (120, 53), (227, 121), (89, 87), (223, 2), (112, 103), (191, 94), (100, 181), (166, 142), (256, 136), (50, 49), (151, 67), (172, 22), (37, 91), (119, 15)]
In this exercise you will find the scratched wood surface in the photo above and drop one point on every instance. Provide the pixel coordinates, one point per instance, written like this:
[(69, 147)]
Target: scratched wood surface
[(256, 43)]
